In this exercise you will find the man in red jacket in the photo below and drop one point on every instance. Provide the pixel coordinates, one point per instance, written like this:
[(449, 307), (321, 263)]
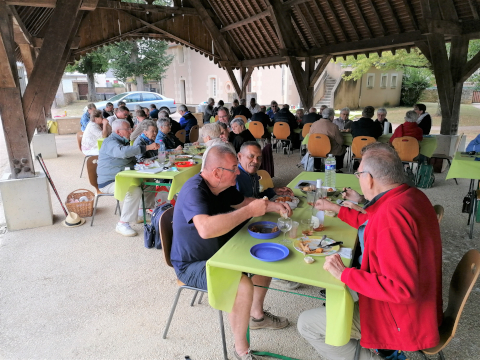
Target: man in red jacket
[(399, 282)]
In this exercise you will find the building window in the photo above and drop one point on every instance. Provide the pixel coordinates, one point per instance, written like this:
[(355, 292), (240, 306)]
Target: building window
[(180, 55), (370, 80), (383, 81), (393, 81), (213, 87)]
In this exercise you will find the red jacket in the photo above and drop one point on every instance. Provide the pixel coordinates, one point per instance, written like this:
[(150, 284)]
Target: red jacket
[(408, 129), (400, 280)]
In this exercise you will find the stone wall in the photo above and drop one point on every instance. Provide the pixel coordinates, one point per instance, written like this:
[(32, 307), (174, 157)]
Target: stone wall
[(431, 95)]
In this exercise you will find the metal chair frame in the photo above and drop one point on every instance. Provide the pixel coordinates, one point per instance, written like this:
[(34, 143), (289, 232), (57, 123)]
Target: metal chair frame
[(277, 126), (79, 142)]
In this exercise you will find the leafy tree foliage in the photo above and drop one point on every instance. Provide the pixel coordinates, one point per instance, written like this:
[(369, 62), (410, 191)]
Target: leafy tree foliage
[(415, 80)]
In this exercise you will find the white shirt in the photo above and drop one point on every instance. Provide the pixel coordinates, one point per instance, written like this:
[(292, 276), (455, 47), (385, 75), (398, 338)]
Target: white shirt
[(92, 133), (254, 109)]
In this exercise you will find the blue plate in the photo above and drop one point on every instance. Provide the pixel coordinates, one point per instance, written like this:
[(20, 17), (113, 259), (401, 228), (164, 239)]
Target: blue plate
[(262, 226), (269, 252)]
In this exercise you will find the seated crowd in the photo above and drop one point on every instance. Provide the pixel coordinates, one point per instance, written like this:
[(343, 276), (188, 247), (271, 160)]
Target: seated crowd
[(394, 290)]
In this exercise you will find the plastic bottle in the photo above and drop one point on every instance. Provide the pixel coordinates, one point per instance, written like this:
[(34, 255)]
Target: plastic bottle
[(162, 146), (161, 152), (330, 171)]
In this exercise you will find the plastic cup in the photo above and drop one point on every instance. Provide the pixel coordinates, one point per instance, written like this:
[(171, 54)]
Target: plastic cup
[(161, 157), (171, 158), (307, 227), (293, 231), (311, 198)]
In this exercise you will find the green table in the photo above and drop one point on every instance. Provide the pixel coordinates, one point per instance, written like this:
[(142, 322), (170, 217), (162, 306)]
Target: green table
[(225, 268), (124, 180), (465, 167), (427, 145)]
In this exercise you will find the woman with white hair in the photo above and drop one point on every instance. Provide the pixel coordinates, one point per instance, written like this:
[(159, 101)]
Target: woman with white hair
[(241, 134), (382, 118), (409, 127), (165, 134), (210, 133), (147, 137)]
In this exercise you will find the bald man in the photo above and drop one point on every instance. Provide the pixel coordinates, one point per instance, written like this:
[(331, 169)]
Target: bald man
[(208, 212), (309, 118)]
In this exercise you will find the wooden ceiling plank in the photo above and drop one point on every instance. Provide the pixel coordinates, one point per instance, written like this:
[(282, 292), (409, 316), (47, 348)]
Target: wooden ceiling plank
[(411, 13), (300, 35), (17, 19), (378, 20), (448, 10), (255, 28), (282, 19), (324, 21), (313, 21), (294, 2), (361, 18), (307, 26), (348, 18), (393, 16), (331, 9)]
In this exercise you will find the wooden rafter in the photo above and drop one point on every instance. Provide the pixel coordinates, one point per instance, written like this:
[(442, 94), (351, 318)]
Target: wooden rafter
[(319, 69), (246, 21), (348, 18), (470, 67), (378, 20), (300, 35), (474, 8), (294, 2), (315, 23), (411, 13), (250, 29), (331, 9), (361, 18), (282, 19), (307, 26), (448, 10), (19, 23), (393, 15), (324, 21)]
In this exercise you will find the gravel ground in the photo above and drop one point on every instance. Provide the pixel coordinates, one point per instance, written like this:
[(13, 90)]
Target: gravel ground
[(88, 293)]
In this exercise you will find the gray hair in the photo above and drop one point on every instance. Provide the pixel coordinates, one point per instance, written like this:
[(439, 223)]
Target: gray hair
[(212, 130), (382, 111), (182, 108), (95, 114), (346, 109), (163, 114), (220, 149), (382, 162), (239, 121), (138, 107), (91, 106), (328, 113), (140, 113), (162, 122), (145, 124), (222, 125), (313, 110), (411, 116), (117, 124)]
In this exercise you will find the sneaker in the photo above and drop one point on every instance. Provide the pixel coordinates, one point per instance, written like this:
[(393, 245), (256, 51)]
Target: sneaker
[(269, 321), (140, 218), (125, 229), (285, 284), (390, 354), (247, 356)]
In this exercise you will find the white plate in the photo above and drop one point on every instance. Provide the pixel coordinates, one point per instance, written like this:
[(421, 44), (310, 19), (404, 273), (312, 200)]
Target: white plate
[(313, 243), (293, 204)]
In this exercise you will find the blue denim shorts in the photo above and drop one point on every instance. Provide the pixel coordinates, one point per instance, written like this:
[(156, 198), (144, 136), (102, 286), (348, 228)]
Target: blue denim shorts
[(194, 275)]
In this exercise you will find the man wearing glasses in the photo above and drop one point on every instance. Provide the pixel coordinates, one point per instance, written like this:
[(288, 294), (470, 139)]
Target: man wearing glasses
[(273, 109), (399, 281), (115, 155), (208, 212)]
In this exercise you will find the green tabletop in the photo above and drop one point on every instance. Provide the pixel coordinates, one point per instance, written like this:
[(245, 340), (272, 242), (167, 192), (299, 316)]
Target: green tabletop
[(225, 268), (124, 180), (427, 145), (464, 167)]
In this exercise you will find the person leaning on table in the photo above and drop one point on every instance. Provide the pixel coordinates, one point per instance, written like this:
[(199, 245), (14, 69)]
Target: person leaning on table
[(147, 137), (115, 155), (399, 282), (208, 212)]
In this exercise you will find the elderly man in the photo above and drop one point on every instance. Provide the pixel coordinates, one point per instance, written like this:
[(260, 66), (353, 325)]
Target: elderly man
[(225, 132), (343, 122), (262, 117), (241, 134), (223, 115), (381, 118), (187, 120), (273, 109), (242, 110), (310, 118), (115, 155), (121, 113), (208, 212), (153, 111), (365, 126), (166, 135), (209, 111), (284, 115), (108, 111), (399, 283), (254, 107), (140, 116), (327, 127), (85, 119)]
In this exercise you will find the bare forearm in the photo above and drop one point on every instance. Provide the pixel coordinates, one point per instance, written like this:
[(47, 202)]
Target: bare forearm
[(217, 225)]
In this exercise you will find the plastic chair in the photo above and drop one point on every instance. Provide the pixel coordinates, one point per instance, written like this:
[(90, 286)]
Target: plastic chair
[(166, 235), (79, 142), (318, 146), (257, 129), (439, 210), (407, 148), (241, 117), (265, 179), (193, 134), (305, 132), (181, 135), (216, 119), (92, 178), (358, 144), (463, 279), (281, 131), (448, 157)]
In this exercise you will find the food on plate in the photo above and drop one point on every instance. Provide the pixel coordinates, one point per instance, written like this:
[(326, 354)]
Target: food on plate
[(283, 199), (264, 230), (330, 189), (306, 249), (308, 188), (308, 259)]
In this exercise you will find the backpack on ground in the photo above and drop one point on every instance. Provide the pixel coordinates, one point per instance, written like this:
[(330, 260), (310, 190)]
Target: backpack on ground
[(151, 232), (425, 178)]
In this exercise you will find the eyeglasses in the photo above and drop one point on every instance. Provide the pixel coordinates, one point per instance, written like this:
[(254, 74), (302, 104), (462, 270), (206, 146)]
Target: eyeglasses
[(231, 170), (358, 173)]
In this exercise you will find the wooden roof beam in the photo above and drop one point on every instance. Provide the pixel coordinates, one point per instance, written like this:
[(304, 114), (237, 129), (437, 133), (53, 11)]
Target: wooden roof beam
[(474, 8), (18, 23), (361, 18), (331, 8), (282, 20), (315, 22), (393, 15), (246, 21), (319, 69), (470, 67), (348, 18), (294, 2), (304, 20), (411, 13), (378, 20)]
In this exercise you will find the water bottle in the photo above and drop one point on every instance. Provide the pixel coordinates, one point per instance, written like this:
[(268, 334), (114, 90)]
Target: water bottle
[(161, 152), (330, 171)]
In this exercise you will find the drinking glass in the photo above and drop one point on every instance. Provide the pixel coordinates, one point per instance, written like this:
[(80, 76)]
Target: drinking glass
[(307, 227), (161, 157), (284, 224), (293, 231), (171, 158)]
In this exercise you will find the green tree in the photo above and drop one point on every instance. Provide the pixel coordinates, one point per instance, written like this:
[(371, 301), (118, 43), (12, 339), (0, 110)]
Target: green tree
[(415, 80), (90, 64), (140, 59)]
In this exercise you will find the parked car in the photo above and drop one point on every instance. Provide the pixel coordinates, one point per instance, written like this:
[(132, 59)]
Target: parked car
[(142, 98)]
